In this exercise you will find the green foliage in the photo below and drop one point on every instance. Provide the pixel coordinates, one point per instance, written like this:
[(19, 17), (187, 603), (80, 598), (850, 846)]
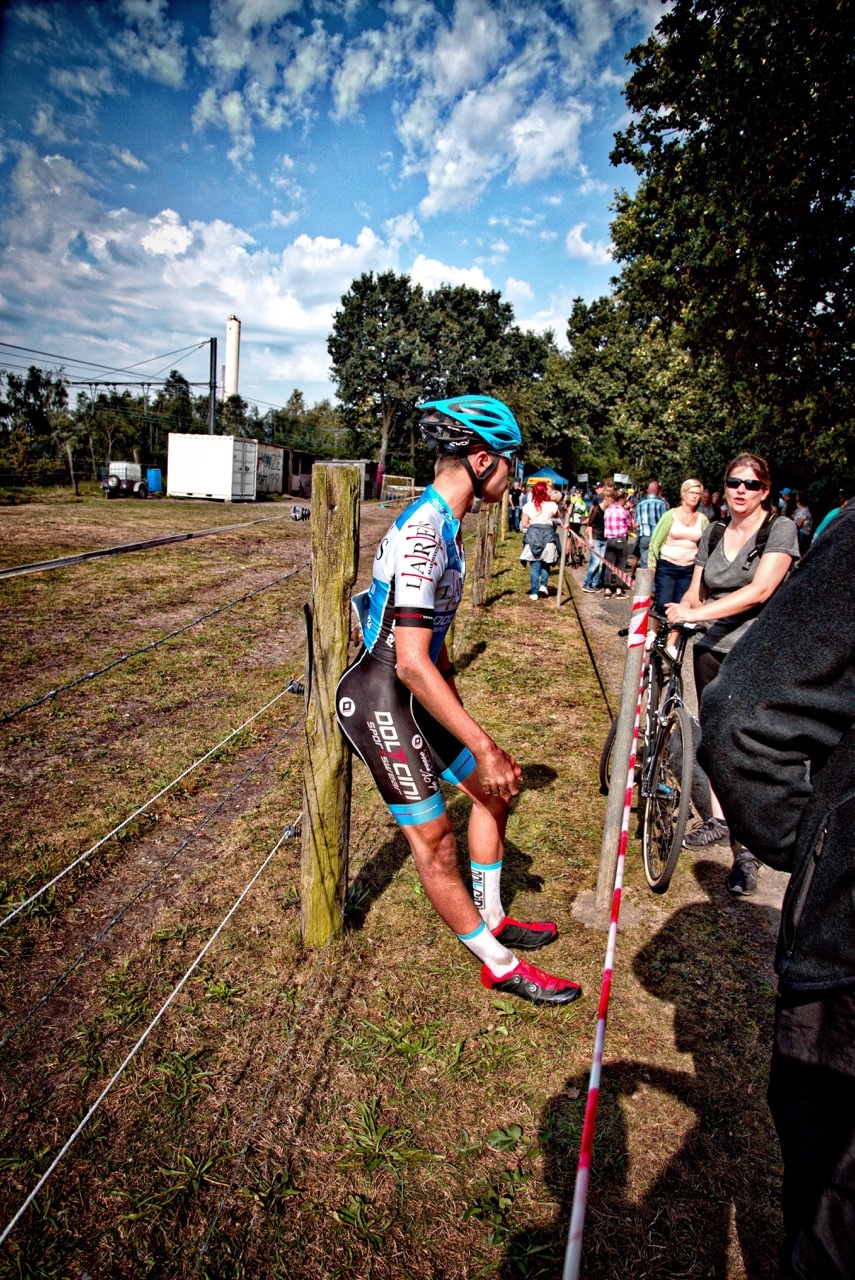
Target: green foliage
[(739, 240), (392, 346), (374, 1146), (380, 359)]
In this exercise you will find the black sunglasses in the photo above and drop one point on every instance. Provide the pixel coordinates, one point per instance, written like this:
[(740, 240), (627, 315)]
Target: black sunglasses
[(733, 482)]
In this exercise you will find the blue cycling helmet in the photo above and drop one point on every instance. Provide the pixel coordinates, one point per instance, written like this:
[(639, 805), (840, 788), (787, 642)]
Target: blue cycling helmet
[(464, 423)]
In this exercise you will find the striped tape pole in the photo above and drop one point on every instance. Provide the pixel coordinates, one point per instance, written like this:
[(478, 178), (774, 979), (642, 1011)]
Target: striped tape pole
[(573, 1255)]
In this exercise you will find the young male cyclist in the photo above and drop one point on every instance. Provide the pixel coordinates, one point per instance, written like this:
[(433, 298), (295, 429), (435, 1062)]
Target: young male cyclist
[(398, 705)]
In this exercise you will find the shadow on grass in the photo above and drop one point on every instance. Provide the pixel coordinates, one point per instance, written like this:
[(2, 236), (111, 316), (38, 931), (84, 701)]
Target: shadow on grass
[(375, 876), (658, 1213)]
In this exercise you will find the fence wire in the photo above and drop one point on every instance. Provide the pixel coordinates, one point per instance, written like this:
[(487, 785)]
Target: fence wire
[(69, 1143), (154, 644), (130, 902), (21, 906)]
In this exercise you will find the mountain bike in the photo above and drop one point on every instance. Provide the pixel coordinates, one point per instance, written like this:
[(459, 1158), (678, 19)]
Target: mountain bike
[(666, 758)]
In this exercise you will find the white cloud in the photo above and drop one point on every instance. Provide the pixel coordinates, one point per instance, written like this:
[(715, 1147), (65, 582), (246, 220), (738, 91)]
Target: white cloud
[(83, 83), (151, 45), (517, 291), (167, 237), (310, 64), (430, 273), (402, 228), (368, 65), (128, 158), (546, 138), (593, 186), (131, 285), (284, 219), (230, 111), (577, 246), (45, 126), (470, 49)]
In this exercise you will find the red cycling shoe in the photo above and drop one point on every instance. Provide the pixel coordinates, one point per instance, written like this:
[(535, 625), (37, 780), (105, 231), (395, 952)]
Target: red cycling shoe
[(521, 935), (533, 984)]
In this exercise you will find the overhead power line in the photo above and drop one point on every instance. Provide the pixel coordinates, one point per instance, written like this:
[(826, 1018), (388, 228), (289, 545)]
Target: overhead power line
[(104, 368)]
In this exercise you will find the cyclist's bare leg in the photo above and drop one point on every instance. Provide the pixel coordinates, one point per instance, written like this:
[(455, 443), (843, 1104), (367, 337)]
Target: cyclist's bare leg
[(434, 851)]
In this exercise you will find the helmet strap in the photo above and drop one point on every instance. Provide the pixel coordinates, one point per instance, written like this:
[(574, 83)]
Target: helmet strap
[(478, 481)]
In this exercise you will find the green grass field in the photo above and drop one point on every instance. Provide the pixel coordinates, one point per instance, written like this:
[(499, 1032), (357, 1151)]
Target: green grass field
[(369, 1111)]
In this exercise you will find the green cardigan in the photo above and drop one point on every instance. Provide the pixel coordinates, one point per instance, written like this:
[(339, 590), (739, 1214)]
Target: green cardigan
[(660, 535)]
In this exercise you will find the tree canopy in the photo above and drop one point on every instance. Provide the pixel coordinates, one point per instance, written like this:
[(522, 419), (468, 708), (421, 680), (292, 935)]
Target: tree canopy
[(740, 239), (392, 345)]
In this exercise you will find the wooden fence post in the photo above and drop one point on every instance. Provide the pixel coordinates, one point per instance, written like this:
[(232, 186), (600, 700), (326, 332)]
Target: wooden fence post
[(484, 548), (327, 762)]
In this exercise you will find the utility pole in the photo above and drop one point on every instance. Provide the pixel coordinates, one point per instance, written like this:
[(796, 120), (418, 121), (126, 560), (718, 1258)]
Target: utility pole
[(212, 389)]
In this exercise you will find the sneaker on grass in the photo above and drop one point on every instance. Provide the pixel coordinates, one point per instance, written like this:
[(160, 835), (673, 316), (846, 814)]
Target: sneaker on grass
[(743, 876), (533, 984), (713, 831)]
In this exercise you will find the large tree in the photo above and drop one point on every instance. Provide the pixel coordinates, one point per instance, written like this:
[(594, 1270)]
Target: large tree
[(742, 232), (380, 360), (30, 409), (392, 345)]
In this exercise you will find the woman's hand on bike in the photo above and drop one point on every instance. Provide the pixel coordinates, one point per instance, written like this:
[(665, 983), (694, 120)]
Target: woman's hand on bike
[(680, 613)]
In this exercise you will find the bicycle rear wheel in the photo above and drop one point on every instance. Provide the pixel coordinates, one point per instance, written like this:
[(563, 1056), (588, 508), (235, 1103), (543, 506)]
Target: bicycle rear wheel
[(666, 808)]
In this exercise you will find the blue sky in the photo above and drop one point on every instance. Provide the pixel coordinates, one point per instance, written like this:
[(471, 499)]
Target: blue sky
[(164, 165)]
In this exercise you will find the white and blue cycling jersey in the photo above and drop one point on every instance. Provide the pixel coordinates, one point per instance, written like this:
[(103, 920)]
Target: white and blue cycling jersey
[(417, 582), (417, 579)]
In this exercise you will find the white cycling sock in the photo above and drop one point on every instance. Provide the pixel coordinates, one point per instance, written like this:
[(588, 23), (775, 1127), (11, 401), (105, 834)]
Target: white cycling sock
[(498, 959), (487, 891)]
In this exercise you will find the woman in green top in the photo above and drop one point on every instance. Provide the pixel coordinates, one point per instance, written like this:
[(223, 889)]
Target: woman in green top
[(674, 546)]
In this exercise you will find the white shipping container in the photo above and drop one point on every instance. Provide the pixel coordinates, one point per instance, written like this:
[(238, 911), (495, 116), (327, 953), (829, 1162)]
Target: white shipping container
[(271, 462), (222, 467)]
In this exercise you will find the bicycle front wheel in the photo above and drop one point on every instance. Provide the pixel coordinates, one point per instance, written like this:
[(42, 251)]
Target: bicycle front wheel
[(669, 798)]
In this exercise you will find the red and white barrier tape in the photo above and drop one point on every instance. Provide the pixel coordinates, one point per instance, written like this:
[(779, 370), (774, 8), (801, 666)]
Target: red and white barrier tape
[(573, 1255), (624, 577)]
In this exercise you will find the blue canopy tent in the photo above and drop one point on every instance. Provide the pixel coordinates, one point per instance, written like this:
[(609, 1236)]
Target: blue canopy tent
[(549, 476)]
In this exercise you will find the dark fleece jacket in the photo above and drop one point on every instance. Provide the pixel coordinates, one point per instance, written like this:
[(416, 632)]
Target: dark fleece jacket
[(778, 744)]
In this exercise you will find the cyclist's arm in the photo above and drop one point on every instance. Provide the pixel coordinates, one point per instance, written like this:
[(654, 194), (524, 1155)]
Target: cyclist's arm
[(498, 771), (769, 575)]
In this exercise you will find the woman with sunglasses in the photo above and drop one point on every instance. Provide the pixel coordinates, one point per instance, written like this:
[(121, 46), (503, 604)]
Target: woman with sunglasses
[(732, 580)]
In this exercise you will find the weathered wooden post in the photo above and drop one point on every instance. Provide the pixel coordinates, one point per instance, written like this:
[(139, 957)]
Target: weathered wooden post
[(327, 765), (503, 522), (484, 548)]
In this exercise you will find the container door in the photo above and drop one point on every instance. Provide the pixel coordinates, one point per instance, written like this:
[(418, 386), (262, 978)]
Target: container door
[(245, 457)]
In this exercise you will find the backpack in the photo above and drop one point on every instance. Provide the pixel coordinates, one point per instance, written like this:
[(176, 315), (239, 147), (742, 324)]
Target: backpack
[(717, 533)]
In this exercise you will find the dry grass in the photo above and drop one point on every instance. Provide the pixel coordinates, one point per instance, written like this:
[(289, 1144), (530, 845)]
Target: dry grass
[(417, 1127)]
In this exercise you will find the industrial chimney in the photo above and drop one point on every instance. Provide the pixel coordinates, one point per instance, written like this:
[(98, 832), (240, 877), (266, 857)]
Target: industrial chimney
[(230, 380)]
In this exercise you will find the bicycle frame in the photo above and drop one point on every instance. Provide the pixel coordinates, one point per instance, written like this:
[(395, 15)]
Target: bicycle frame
[(661, 697)]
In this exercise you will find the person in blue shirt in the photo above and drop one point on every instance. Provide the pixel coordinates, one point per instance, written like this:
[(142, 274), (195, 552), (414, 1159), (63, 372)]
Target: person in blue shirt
[(649, 510), (399, 708)]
